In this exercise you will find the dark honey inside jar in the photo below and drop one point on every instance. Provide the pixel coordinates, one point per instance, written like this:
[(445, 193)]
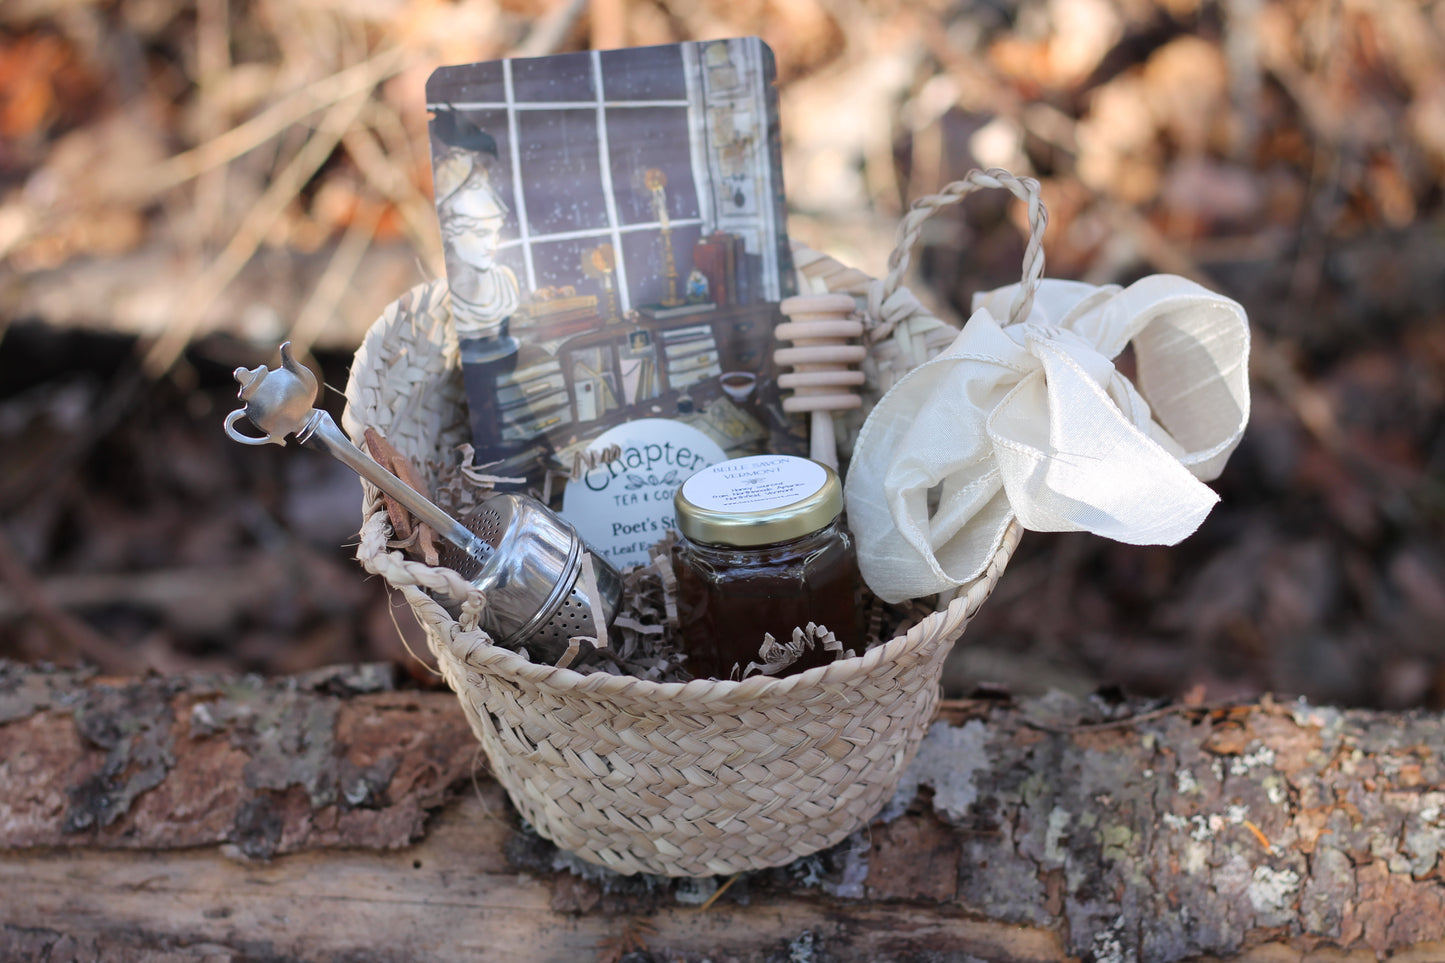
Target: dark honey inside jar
[(763, 552)]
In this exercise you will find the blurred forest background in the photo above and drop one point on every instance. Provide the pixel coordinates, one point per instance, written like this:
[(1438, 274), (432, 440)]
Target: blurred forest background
[(186, 183)]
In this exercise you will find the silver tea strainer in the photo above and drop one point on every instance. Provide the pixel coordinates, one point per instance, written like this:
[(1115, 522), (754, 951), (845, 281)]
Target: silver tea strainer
[(532, 579), (524, 557)]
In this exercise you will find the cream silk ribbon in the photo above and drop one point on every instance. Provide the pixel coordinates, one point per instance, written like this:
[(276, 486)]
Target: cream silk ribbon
[(1032, 420)]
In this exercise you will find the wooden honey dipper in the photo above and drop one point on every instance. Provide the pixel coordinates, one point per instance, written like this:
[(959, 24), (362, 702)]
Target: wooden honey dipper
[(820, 327)]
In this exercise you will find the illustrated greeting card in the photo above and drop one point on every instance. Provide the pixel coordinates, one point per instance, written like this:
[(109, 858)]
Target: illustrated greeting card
[(615, 240)]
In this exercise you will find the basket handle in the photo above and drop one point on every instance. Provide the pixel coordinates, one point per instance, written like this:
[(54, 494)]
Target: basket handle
[(911, 227)]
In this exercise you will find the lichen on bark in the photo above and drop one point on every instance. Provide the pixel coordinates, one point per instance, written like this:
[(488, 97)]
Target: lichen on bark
[(1199, 832)]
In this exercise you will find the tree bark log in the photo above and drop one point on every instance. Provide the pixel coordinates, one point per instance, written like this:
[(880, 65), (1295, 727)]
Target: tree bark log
[(330, 818)]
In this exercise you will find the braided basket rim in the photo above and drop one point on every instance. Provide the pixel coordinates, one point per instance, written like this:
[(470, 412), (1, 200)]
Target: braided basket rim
[(935, 627)]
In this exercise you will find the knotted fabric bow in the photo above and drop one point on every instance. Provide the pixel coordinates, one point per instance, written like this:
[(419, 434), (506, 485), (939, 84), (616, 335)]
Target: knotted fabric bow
[(1032, 420)]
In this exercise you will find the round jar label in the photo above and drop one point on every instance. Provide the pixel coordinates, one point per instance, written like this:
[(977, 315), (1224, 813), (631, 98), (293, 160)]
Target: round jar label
[(622, 507), (756, 483)]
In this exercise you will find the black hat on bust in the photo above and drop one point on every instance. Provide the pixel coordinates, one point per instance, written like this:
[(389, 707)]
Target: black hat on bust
[(455, 129)]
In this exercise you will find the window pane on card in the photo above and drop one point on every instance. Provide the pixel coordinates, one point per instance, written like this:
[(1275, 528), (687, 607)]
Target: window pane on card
[(565, 78), (647, 73), (561, 178), (470, 84), (642, 139)]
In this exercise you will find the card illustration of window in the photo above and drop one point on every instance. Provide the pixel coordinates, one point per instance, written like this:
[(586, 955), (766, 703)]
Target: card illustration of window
[(614, 229)]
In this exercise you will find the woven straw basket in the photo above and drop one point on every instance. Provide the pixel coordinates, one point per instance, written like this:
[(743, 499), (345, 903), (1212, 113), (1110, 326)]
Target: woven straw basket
[(707, 777)]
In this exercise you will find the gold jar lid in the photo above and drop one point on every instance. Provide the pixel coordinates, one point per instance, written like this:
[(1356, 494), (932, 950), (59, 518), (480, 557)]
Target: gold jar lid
[(758, 500)]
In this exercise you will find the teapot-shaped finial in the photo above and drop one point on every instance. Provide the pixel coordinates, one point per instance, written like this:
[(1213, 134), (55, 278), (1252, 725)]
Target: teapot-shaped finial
[(278, 402)]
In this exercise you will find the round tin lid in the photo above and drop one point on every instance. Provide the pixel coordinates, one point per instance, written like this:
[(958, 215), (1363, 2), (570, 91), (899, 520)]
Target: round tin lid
[(758, 500)]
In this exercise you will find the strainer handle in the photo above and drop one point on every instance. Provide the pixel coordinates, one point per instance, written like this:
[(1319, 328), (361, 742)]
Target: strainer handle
[(322, 434)]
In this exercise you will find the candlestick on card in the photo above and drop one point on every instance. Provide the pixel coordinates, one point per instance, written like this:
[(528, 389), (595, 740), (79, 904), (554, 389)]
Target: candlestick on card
[(820, 328), (656, 182), (600, 262)]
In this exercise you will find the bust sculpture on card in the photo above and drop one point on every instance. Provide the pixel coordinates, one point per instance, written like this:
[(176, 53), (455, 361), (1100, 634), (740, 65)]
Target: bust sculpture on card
[(484, 292), (472, 215)]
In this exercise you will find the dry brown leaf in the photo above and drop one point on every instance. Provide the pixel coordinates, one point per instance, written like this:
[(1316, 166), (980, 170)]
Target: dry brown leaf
[(399, 465), (41, 79)]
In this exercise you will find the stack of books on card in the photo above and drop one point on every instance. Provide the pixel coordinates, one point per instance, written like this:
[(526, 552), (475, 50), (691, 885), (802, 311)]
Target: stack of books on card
[(662, 312)]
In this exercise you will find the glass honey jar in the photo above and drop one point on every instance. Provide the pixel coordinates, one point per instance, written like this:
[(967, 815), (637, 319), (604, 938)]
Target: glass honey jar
[(763, 551)]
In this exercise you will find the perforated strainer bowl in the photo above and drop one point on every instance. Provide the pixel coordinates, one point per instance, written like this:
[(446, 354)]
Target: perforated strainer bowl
[(533, 579)]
